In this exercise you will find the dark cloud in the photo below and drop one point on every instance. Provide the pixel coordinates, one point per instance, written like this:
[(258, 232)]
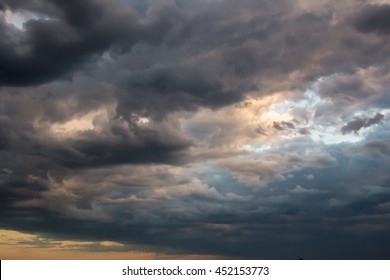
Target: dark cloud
[(261, 130), (359, 123), (374, 19), (51, 48), (20, 4), (378, 146), (160, 90), (216, 219), (3, 141), (304, 131), (80, 14), (122, 142), (347, 86), (120, 148), (283, 125)]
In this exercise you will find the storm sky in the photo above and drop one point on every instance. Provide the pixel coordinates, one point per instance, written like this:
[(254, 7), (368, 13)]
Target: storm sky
[(251, 129)]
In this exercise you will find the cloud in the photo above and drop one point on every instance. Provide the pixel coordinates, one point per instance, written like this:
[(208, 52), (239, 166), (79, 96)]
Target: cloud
[(283, 125), (310, 177), (182, 87), (121, 146), (62, 37), (196, 127), (378, 146), (374, 19), (359, 123), (300, 190), (272, 167)]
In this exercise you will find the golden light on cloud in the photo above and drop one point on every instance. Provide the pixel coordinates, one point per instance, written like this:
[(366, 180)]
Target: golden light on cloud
[(90, 121), (249, 123)]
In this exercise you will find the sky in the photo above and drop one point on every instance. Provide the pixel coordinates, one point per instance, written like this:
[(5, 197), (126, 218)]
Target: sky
[(209, 129)]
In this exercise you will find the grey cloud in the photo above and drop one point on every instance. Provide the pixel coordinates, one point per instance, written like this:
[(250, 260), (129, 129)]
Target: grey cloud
[(120, 148), (3, 140), (301, 190), (359, 123), (260, 130), (260, 50), (50, 49), (120, 144), (79, 14), (155, 210), (378, 146), (304, 131), (226, 60), (273, 167), (283, 125), (309, 176), (319, 159), (374, 19), (211, 220), (177, 88), (378, 118), (349, 86)]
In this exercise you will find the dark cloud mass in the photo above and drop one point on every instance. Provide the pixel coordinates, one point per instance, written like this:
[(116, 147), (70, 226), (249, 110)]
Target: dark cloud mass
[(251, 129), (375, 19), (63, 36)]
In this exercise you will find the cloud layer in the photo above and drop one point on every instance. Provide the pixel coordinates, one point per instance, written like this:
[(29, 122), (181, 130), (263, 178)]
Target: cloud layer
[(250, 129)]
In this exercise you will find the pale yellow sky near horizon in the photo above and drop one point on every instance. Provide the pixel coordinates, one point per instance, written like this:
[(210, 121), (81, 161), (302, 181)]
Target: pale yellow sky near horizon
[(15, 245)]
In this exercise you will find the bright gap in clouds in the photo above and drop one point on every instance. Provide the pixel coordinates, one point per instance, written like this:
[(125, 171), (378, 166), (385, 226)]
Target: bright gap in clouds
[(94, 120), (302, 113), (18, 19), (143, 120), (326, 132)]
